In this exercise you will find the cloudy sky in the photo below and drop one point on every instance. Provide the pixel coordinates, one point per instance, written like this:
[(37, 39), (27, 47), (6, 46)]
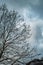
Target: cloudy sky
[(32, 10)]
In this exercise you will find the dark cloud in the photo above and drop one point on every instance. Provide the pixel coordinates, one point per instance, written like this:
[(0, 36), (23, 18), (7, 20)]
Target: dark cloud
[(36, 5), (38, 35)]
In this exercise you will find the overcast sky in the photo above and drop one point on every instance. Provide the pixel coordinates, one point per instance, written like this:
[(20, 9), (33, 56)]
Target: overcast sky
[(35, 5), (32, 10)]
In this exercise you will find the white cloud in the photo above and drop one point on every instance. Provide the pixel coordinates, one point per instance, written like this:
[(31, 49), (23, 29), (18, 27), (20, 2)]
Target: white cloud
[(36, 28)]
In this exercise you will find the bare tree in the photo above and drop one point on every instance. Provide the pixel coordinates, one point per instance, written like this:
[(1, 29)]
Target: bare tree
[(14, 39)]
